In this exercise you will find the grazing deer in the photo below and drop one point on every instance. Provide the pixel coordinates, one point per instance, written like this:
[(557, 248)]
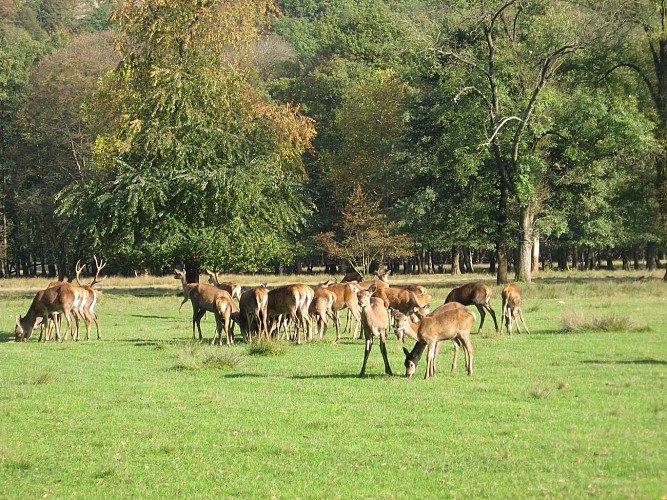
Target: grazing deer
[(352, 276), (374, 323), (59, 299), (292, 302), (91, 297), (477, 294), (234, 289), (511, 309), (321, 308), (205, 297), (346, 296), (187, 287), (454, 324), (253, 312)]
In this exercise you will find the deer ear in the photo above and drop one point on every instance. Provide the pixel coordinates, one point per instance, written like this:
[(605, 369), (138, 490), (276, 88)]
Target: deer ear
[(18, 320), (407, 353)]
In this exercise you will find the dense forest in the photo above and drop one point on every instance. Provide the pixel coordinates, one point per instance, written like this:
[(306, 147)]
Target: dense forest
[(266, 136)]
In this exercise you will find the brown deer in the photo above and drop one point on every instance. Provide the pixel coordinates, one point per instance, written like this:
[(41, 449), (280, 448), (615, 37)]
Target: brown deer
[(253, 312), (205, 297), (91, 297), (59, 299), (346, 296), (511, 308), (374, 323), (477, 294), (187, 287), (321, 308), (381, 280), (234, 289), (292, 302), (404, 300), (454, 324)]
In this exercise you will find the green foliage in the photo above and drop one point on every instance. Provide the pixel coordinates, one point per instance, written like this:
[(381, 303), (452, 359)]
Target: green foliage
[(191, 162)]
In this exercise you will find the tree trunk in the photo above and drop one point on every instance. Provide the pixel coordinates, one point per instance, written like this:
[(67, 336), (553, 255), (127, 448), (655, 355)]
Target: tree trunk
[(522, 273), (536, 254), (651, 251), (192, 271), (503, 237), (456, 255)]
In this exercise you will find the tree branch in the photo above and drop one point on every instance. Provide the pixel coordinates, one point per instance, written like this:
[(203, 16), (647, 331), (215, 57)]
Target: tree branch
[(639, 71)]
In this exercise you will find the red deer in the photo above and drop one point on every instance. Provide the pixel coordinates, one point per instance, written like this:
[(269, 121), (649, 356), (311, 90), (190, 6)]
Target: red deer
[(404, 300), (60, 299), (477, 294), (234, 289), (291, 301), (381, 280), (93, 295), (511, 309), (454, 324), (374, 323), (321, 308), (352, 276), (346, 296), (253, 312), (187, 287), (205, 298)]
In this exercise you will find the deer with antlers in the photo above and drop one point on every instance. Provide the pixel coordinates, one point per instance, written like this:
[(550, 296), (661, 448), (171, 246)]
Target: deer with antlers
[(90, 297)]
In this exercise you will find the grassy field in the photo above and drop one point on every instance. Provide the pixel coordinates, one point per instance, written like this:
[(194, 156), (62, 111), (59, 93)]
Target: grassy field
[(576, 409)]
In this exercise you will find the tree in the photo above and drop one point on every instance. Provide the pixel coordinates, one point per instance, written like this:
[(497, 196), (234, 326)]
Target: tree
[(191, 161), (638, 44), (366, 235), (512, 50)]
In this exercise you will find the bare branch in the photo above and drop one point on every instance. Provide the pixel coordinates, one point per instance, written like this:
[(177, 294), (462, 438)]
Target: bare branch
[(638, 70), (458, 96), (500, 126)]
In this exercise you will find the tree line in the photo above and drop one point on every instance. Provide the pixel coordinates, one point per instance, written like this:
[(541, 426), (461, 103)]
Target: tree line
[(259, 136)]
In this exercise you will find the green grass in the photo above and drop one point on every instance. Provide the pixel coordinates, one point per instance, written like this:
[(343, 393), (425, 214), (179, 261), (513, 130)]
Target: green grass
[(147, 413)]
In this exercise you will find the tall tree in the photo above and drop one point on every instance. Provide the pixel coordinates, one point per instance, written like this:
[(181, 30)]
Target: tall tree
[(638, 45), (192, 162), (513, 51)]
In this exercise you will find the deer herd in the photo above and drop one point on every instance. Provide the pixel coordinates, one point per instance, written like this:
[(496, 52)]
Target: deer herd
[(297, 310)]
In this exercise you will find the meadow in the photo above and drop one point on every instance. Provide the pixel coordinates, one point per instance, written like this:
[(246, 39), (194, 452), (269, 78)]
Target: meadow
[(578, 408)]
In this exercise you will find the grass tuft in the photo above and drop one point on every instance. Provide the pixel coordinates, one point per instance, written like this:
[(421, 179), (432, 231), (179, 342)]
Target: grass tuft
[(194, 356), (267, 348), (540, 391), (40, 379), (577, 321)]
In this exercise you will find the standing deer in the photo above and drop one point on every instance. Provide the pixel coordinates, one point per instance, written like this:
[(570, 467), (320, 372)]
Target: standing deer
[(205, 297), (187, 287), (253, 312), (404, 300), (321, 308), (374, 323), (292, 302), (477, 294), (454, 324), (511, 309), (346, 296), (91, 297), (59, 299), (234, 289)]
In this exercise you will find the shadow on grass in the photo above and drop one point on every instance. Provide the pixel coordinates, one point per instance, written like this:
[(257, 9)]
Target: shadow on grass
[(340, 376), (7, 337), (625, 362)]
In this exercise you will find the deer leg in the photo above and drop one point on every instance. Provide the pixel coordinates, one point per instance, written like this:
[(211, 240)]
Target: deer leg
[(336, 320), (457, 345), (97, 325), (197, 320), (493, 315), (430, 358), (522, 320), (229, 330), (383, 350), (482, 315), (218, 329), (468, 351), (367, 351)]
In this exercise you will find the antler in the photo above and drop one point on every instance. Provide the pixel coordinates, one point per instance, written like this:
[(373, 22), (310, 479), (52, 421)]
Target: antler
[(78, 269), (99, 265)]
